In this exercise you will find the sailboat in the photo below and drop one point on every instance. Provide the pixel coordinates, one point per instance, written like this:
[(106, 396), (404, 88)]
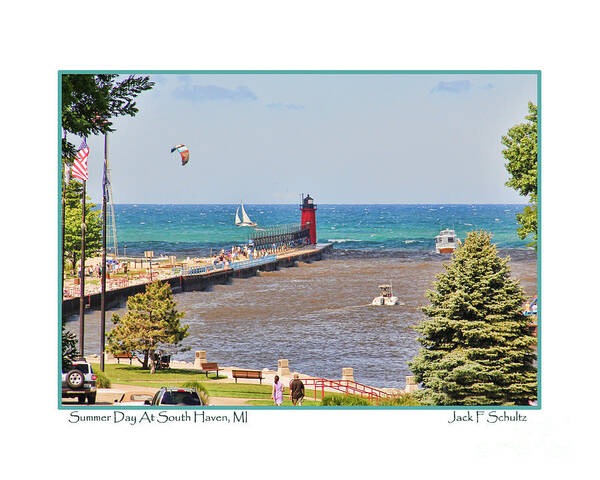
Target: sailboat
[(245, 222)]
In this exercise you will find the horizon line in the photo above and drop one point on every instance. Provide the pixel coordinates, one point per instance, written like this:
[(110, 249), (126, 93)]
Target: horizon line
[(296, 203)]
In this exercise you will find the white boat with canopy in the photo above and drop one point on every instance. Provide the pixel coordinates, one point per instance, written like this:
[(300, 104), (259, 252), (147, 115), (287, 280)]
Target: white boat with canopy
[(386, 297), (446, 241)]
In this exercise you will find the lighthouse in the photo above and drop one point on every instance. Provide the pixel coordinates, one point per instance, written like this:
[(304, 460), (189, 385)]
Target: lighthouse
[(308, 219)]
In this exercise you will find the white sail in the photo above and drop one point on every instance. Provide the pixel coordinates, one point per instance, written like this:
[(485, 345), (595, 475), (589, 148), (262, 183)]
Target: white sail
[(237, 217), (245, 217)]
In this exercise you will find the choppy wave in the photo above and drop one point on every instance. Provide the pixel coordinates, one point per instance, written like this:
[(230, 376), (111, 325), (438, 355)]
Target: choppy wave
[(342, 240), (195, 230)]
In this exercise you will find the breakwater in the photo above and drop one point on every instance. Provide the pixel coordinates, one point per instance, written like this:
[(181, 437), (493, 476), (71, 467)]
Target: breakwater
[(189, 280)]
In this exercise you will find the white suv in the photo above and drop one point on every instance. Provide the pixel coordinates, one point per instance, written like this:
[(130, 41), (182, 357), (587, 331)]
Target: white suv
[(80, 381)]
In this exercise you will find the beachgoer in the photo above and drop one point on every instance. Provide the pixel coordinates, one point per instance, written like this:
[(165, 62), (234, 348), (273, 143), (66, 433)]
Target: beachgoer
[(297, 390), (277, 394)]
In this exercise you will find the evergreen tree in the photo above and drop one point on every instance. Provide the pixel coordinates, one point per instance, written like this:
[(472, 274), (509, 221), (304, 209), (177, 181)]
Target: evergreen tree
[(151, 320), (477, 347), (69, 348)]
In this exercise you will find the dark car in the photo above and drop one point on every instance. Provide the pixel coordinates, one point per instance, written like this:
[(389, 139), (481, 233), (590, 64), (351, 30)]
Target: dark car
[(176, 396)]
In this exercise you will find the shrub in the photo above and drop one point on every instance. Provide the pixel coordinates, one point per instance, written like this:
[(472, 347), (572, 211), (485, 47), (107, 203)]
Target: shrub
[(401, 400), (102, 381), (200, 388), (349, 400)]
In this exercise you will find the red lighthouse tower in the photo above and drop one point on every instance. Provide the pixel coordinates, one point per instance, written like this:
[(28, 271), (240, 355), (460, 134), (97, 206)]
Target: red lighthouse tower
[(309, 210)]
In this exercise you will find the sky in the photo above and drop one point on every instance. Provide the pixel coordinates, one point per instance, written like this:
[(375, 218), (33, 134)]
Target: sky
[(343, 138)]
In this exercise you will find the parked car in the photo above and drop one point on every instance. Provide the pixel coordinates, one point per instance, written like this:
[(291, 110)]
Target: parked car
[(134, 398), (176, 396), (80, 382)]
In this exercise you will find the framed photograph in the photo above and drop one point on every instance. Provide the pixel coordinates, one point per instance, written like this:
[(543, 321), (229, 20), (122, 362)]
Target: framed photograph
[(299, 239)]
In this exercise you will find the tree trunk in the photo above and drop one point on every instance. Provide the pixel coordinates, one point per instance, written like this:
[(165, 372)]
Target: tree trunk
[(152, 364), (145, 364)]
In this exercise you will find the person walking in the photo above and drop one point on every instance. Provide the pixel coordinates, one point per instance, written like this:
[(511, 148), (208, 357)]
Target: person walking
[(277, 393), (296, 390)]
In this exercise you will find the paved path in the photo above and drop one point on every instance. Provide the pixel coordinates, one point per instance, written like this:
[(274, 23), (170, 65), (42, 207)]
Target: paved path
[(108, 396)]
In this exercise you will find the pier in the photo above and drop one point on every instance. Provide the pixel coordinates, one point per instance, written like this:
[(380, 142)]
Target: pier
[(189, 279)]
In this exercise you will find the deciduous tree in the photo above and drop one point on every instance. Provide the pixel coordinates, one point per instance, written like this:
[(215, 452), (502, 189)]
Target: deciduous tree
[(86, 98), (151, 321), (93, 225), (521, 152)]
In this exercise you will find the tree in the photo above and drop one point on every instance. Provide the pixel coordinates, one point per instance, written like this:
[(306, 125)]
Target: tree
[(477, 347), (150, 322), (88, 97), (93, 225), (89, 102), (521, 152), (69, 348)]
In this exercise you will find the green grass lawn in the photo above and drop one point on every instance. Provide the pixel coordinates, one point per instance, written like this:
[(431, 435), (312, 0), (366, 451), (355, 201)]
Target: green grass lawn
[(286, 402), (134, 375), (261, 394)]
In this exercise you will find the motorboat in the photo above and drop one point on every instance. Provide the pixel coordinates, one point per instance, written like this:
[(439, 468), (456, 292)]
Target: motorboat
[(245, 221), (446, 241), (386, 297)]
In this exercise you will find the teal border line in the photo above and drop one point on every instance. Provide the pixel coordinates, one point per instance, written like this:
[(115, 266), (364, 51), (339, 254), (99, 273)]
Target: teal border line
[(59, 241), (539, 238), (538, 74), (308, 72)]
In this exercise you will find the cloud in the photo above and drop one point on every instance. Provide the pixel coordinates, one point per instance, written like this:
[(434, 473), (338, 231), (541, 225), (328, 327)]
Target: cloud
[(202, 93), (457, 86), (288, 106)]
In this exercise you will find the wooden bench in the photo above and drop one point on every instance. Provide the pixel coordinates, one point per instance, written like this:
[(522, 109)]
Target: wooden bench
[(210, 367), (247, 374), (123, 355)]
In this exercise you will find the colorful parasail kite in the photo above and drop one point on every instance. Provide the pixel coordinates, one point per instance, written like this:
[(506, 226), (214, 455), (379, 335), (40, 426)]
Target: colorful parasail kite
[(183, 150)]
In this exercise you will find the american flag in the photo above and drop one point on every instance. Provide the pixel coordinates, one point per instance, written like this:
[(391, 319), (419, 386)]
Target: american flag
[(79, 169)]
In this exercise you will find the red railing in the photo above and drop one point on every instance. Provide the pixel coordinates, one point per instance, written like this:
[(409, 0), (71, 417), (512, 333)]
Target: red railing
[(118, 282), (111, 284), (348, 387)]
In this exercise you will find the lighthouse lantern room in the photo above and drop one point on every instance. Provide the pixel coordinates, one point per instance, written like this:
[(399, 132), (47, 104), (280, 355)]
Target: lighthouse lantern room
[(308, 218)]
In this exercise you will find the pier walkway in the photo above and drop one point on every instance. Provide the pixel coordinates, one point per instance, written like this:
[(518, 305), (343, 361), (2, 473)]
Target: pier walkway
[(187, 277)]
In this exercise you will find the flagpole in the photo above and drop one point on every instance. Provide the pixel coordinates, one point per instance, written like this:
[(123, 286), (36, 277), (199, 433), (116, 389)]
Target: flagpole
[(62, 251), (65, 179), (82, 277), (103, 281)]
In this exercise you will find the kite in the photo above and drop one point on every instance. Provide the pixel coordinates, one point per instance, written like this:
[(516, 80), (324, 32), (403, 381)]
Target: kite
[(183, 150)]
